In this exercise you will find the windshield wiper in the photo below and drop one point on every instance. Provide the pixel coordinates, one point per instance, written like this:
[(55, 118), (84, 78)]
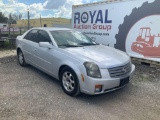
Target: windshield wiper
[(87, 44), (67, 45)]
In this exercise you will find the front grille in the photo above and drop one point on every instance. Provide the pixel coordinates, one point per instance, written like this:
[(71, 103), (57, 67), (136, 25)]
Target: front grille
[(120, 71)]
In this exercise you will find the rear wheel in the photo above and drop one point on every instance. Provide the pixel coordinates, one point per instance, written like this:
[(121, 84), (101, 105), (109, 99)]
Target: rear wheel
[(21, 59), (69, 82)]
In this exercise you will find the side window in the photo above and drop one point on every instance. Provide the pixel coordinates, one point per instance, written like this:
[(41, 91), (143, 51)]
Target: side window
[(43, 37), (31, 35)]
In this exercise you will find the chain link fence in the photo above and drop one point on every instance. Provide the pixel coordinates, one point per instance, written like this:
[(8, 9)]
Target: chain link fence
[(8, 36)]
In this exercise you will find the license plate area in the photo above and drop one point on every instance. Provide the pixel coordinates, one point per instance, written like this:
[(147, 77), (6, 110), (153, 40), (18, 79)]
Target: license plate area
[(124, 81)]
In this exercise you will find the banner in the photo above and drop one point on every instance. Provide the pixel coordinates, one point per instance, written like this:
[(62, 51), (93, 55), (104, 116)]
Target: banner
[(6, 29), (132, 26)]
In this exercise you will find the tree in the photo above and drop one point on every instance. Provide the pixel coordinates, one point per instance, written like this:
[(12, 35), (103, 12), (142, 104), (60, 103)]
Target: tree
[(17, 17), (12, 19), (3, 19)]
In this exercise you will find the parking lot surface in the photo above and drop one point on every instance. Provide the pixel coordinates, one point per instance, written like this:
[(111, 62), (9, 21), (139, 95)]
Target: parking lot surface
[(29, 94)]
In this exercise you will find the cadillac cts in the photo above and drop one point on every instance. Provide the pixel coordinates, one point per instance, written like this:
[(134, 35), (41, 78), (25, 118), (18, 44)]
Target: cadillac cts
[(81, 64)]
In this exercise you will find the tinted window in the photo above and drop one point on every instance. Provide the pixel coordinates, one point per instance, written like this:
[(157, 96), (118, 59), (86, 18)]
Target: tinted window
[(31, 35), (43, 37), (71, 38)]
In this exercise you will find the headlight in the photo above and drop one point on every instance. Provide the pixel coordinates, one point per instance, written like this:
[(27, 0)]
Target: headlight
[(92, 69)]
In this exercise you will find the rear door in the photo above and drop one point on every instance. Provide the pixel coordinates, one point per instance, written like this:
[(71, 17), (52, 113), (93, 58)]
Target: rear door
[(28, 47)]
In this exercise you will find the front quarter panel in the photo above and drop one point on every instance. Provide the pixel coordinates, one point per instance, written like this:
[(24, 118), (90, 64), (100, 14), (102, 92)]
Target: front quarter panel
[(63, 58)]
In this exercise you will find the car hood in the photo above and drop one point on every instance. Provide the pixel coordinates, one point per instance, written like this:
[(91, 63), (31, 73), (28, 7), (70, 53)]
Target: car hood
[(104, 56)]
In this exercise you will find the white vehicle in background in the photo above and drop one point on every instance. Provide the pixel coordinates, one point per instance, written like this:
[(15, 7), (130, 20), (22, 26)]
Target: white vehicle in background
[(76, 60)]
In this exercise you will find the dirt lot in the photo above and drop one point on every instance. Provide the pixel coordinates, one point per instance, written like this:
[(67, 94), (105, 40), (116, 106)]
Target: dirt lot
[(5, 53), (29, 94)]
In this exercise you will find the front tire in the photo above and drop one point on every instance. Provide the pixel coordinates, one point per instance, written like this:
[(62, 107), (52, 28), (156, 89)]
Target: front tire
[(21, 59), (69, 82)]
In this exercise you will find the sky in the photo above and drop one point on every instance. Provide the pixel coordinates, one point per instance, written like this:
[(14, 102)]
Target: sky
[(45, 8)]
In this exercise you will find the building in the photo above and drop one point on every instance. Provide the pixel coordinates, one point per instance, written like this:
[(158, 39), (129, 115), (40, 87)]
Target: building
[(62, 25), (43, 22)]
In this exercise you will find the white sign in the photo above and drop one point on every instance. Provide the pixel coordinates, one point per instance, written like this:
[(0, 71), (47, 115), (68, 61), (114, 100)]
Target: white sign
[(132, 26)]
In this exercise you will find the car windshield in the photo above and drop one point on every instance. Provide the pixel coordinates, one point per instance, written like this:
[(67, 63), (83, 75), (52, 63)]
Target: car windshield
[(69, 38)]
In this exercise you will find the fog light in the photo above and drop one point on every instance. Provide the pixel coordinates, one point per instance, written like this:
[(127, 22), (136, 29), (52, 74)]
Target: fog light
[(98, 88)]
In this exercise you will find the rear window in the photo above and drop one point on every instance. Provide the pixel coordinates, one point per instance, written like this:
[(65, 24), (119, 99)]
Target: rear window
[(31, 35)]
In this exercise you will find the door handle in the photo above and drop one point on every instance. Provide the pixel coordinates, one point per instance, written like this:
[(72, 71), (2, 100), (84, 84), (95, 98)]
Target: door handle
[(35, 50)]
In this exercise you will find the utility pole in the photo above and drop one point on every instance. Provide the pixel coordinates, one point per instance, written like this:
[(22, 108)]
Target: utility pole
[(28, 19), (40, 20)]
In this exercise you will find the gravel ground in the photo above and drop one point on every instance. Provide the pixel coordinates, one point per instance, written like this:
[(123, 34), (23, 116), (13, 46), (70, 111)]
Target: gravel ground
[(6, 53), (29, 94)]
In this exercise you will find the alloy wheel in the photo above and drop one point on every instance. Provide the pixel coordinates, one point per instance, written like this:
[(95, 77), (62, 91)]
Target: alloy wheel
[(20, 58), (68, 81)]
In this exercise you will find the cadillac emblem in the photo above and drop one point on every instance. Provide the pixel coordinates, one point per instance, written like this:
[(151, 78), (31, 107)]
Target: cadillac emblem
[(124, 70)]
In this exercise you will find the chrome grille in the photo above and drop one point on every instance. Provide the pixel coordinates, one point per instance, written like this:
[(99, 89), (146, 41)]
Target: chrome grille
[(120, 71)]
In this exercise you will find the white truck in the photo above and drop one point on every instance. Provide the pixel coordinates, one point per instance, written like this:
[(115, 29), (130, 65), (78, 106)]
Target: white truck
[(118, 23)]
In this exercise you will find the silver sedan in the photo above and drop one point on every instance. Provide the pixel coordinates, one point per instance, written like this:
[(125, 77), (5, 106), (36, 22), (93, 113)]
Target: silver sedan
[(81, 64)]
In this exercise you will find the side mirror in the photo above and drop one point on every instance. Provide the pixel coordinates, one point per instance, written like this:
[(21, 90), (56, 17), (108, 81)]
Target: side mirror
[(45, 45)]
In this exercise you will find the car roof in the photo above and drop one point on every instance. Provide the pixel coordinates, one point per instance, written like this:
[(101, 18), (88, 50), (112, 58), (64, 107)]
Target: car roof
[(51, 28)]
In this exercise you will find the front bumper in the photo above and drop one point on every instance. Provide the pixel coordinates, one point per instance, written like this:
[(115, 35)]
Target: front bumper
[(108, 84)]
